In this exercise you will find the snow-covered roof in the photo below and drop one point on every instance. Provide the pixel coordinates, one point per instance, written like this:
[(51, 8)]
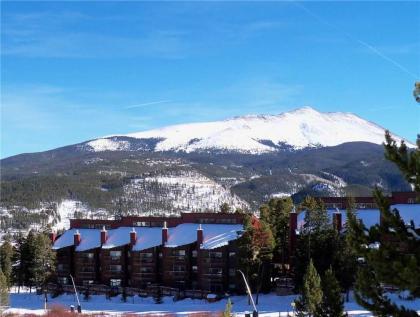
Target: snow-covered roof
[(89, 239), (146, 237), (118, 237), (214, 235), (371, 217)]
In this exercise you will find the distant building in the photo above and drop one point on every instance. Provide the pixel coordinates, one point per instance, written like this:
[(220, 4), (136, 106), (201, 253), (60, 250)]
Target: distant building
[(369, 202)]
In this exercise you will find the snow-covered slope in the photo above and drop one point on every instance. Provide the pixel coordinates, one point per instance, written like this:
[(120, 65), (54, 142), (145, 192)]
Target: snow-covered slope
[(304, 127)]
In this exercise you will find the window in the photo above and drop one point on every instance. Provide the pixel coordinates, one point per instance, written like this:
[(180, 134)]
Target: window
[(179, 252), (115, 268), (115, 253), (146, 270), (232, 254), (232, 272), (141, 223), (194, 253), (215, 270), (232, 286), (178, 268), (146, 255), (87, 269), (115, 282), (87, 282), (60, 267), (63, 280), (86, 255), (194, 268), (215, 255)]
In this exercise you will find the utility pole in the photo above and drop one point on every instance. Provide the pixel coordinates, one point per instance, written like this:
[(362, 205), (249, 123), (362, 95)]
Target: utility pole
[(79, 307), (255, 312)]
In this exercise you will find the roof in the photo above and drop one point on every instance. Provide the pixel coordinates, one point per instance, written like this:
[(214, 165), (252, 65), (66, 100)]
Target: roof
[(89, 239), (147, 237), (371, 217), (214, 236)]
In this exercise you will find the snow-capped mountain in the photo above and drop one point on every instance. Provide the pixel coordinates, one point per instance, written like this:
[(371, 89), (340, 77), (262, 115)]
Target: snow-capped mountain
[(254, 134)]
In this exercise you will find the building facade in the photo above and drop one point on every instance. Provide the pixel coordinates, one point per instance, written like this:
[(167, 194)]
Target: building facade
[(191, 252)]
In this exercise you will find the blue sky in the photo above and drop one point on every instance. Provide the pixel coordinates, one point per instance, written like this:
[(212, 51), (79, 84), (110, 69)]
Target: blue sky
[(73, 71)]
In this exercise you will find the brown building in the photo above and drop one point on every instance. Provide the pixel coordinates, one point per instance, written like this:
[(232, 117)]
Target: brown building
[(369, 202), (198, 255)]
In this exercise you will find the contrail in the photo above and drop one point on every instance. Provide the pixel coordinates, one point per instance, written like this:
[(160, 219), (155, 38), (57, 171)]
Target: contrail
[(140, 105), (363, 43)]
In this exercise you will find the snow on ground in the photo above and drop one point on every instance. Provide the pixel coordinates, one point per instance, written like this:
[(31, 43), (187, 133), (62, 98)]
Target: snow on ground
[(270, 305), (100, 145), (66, 210)]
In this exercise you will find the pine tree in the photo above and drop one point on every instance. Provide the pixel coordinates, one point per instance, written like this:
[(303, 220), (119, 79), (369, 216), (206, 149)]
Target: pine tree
[(224, 208), (27, 256), (397, 260), (332, 300), (276, 213), (255, 251), (228, 309), (4, 290), (43, 261), (310, 301), (317, 241), (316, 217), (6, 256)]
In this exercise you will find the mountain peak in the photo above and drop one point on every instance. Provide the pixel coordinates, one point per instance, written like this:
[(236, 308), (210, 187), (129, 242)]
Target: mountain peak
[(298, 129)]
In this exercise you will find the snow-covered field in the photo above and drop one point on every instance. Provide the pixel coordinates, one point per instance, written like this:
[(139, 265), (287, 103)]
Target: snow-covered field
[(270, 305)]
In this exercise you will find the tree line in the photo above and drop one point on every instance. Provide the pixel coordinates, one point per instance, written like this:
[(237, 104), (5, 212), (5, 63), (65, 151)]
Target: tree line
[(28, 261)]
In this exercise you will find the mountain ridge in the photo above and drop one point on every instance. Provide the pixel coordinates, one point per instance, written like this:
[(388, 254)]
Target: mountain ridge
[(256, 134)]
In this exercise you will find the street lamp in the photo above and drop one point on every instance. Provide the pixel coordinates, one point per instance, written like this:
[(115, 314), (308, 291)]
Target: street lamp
[(255, 312), (79, 307)]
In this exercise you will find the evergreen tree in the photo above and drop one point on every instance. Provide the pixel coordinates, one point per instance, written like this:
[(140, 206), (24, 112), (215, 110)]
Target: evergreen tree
[(396, 260), (43, 261), (316, 217), (27, 256), (6, 256), (224, 208), (276, 213), (4, 290), (332, 300), (317, 241), (228, 309), (310, 301), (255, 251)]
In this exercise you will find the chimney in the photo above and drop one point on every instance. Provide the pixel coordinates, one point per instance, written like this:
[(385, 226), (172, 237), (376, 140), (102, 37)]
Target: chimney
[(337, 221), (133, 237), (200, 236), (53, 236), (164, 234), (104, 235), (77, 238), (292, 232)]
